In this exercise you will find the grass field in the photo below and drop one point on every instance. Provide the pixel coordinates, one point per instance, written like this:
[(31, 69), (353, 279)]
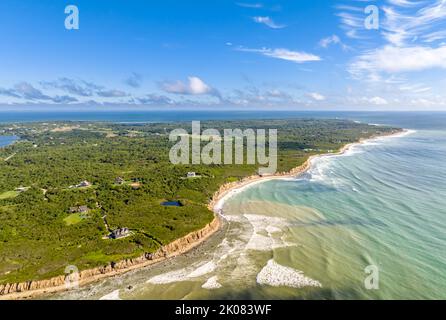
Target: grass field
[(9, 195), (74, 218)]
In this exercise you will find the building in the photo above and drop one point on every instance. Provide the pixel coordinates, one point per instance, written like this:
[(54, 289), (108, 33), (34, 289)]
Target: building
[(84, 183), (120, 233), (191, 174), (119, 180), (83, 209), (79, 209)]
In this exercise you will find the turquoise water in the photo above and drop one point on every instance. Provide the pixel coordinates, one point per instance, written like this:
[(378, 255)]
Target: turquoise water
[(382, 204)]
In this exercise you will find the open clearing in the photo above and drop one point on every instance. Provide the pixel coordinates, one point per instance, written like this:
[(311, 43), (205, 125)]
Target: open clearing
[(9, 195)]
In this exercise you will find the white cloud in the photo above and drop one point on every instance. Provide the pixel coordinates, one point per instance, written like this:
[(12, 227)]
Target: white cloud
[(378, 101), (401, 27), (135, 80), (412, 41), (250, 5), (429, 102), (325, 43), (284, 54), (434, 36), (352, 20), (392, 59), (404, 3), (195, 86), (113, 93), (401, 22), (268, 22), (415, 88), (334, 39), (316, 96)]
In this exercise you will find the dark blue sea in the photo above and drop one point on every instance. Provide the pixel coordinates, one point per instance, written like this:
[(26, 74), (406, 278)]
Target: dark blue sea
[(406, 119)]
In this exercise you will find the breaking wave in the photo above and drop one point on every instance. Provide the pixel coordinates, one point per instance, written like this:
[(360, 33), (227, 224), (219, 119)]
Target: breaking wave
[(111, 296), (212, 283), (276, 275)]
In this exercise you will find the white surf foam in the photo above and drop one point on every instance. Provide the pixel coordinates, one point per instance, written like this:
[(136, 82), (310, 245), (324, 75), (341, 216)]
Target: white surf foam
[(169, 277), (184, 274), (321, 167), (354, 149), (203, 270), (111, 296), (212, 284), (271, 226), (272, 229), (405, 133), (276, 275), (261, 243), (232, 217), (260, 222)]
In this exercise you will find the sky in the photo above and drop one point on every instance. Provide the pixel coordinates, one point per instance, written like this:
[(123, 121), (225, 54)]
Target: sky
[(279, 55)]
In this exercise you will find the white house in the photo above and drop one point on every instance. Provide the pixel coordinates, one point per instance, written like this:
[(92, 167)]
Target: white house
[(191, 174)]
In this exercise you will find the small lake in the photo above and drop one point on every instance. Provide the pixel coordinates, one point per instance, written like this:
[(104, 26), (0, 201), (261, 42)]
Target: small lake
[(7, 140), (172, 204)]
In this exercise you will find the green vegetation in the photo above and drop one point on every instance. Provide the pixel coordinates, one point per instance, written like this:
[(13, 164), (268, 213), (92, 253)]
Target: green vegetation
[(9, 195), (74, 218), (38, 235)]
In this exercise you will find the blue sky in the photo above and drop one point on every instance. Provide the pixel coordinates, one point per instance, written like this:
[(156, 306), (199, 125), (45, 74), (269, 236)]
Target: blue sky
[(298, 55)]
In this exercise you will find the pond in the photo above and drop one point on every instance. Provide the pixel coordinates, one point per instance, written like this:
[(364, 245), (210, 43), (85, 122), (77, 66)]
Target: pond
[(7, 140), (172, 204)]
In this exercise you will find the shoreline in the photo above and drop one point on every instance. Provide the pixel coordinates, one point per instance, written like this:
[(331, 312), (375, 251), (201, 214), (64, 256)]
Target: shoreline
[(229, 189), (34, 289)]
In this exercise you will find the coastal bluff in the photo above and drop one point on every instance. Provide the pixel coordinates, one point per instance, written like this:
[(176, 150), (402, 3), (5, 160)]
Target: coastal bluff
[(30, 289)]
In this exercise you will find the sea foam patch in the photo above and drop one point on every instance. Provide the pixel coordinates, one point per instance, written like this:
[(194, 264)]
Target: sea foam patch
[(212, 284), (261, 222), (271, 226), (276, 275), (203, 270), (169, 277), (111, 296), (183, 274)]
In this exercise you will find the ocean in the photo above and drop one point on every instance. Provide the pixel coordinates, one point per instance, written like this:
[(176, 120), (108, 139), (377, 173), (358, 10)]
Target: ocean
[(424, 119), (379, 208), (382, 205)]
